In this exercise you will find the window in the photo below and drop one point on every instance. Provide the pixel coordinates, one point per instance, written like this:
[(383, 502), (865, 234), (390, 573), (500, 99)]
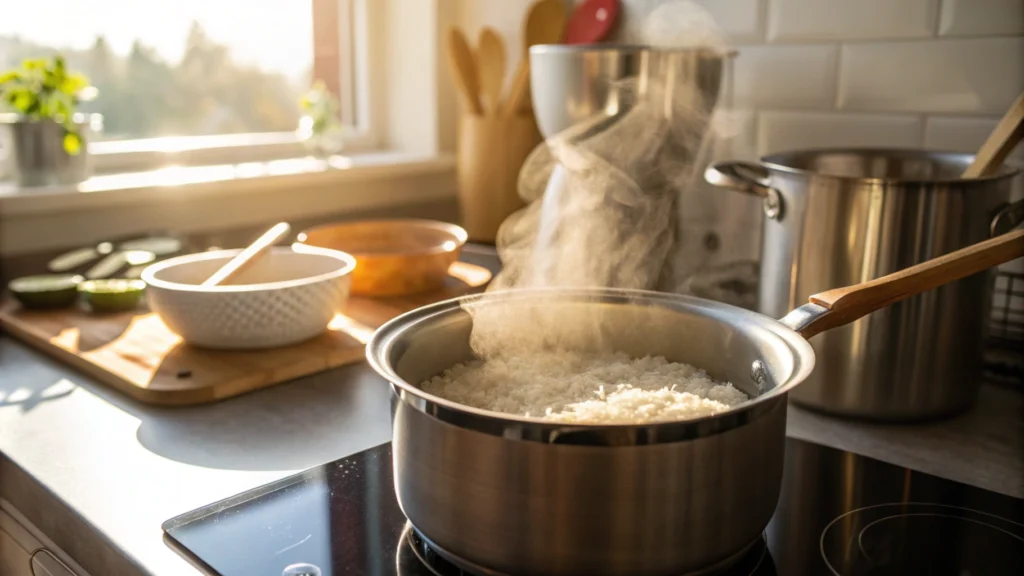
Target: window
[(221, 76)]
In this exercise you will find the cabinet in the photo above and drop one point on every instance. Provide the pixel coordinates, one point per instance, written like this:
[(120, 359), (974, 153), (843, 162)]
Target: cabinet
[(25, 551)]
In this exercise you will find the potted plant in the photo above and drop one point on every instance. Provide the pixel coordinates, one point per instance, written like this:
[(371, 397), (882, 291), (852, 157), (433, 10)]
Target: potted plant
[(320, 127), (42, 140)]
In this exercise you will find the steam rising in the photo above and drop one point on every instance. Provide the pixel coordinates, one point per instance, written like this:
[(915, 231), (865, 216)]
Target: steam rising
[(603, 194)]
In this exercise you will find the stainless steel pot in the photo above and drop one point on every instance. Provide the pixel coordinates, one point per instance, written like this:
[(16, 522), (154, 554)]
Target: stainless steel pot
[(32, 151), (520, 495), (837, 217), (589, 86)]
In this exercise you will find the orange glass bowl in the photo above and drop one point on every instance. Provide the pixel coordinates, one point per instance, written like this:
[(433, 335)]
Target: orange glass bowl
[(393, 257)]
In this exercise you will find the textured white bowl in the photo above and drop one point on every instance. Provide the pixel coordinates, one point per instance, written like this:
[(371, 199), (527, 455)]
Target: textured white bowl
[(286, 297)]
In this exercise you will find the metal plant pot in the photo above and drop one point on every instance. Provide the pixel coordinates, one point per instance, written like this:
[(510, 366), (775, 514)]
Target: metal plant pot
[(32, 151)]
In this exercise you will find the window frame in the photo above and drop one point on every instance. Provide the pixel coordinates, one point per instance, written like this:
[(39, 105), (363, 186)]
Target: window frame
[(354, 56)]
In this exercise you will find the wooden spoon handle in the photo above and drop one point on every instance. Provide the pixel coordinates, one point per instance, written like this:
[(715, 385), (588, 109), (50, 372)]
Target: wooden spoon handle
[(1000, 142), (844, 305), (463, 66), (519, 89), (247, 256)]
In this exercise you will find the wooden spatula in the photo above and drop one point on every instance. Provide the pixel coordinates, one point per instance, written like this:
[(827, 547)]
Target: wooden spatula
[(491, 64), (464, 70), (1000, 142), (246, 257)]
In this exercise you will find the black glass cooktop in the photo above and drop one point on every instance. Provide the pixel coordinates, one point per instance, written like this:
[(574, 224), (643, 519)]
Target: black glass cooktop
[(839, 514)]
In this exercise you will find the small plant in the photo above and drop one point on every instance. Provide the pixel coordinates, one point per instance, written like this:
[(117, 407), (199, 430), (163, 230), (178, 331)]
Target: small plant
[(44, 89), (320, 126)]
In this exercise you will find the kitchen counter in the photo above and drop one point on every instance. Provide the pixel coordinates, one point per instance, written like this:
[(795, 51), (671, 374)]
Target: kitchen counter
[(98, 473)]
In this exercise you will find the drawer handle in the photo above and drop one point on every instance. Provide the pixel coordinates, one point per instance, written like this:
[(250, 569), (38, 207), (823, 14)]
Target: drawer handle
[(32, 563)]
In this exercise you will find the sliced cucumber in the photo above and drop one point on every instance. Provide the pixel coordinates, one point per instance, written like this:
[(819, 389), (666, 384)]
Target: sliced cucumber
[(115, 262), (159, 245), (71, 260), (112, 295), (46, 291)]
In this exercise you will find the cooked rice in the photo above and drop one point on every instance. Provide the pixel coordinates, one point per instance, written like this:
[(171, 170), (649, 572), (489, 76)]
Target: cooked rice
[(605, 389)]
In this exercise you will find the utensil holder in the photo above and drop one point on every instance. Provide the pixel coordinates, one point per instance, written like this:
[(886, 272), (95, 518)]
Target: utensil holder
[(491, 150)]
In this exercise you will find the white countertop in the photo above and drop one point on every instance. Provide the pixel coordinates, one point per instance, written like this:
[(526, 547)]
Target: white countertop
[(99, 473)]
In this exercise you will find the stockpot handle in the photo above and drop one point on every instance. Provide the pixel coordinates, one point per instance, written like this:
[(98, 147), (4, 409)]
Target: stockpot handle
[(749, 178), (841, 306), (1008, 218)]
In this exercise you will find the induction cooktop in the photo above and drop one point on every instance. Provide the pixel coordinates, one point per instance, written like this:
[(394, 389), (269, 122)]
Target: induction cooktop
[(840, 514)]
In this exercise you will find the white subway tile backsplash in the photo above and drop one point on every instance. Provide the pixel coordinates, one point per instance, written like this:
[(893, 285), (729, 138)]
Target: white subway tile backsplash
[(981, 76), (781, 131), (803, 20), (736, 131), (740, 20), (801, 76), (981, 17), (961, 134)]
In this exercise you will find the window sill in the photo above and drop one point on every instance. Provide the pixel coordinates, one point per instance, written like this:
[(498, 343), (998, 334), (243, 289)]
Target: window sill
[(202, 198), (182, 182)]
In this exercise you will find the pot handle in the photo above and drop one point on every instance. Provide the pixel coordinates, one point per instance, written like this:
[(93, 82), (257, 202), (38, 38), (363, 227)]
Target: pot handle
[(841, 306), (1008, 218), (749, 178)]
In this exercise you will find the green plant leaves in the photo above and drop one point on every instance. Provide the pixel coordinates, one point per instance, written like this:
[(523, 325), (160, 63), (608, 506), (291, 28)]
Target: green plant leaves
[(72, 143), (44, 90), (9, 76)]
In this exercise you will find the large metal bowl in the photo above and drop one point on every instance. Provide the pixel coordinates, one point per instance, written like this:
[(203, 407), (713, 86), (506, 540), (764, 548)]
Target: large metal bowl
[(574, 86), (522, 495)]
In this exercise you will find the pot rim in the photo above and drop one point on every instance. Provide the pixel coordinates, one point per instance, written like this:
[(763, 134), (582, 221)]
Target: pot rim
[(384, 339), (773, 162), (78, 118), (595, 48)]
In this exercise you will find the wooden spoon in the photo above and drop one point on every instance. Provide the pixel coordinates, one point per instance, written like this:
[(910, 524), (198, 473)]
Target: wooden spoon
[(491, 64), (1000, 142), (246, 257), (464, 70), (545, 24)]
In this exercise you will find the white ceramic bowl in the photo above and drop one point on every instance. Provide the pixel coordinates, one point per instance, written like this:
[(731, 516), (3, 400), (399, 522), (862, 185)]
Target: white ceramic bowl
[(285, 297)]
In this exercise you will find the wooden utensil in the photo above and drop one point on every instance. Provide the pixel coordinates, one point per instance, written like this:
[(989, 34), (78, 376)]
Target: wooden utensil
[(246, 257), (491, 66), (1000, 142), (591, 21), (851, 302), (464, 70), (545, 24)]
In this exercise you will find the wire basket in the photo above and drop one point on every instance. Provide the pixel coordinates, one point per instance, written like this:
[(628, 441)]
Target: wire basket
[(1004, 353)]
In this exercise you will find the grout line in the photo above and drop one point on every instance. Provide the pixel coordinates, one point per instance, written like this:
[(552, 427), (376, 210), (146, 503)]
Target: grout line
[(883, 40), (839, 83), (762, 16), (939, 6)]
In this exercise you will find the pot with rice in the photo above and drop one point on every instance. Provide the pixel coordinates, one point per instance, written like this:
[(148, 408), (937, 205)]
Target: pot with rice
[(666, 470)]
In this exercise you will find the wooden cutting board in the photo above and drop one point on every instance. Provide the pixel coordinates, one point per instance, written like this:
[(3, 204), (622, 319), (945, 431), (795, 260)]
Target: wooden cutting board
[(135, 353)]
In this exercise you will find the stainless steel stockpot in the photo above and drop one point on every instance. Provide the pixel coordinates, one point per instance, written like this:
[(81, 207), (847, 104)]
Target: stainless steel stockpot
[(520, 495), (525, 496), (842, 216)]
